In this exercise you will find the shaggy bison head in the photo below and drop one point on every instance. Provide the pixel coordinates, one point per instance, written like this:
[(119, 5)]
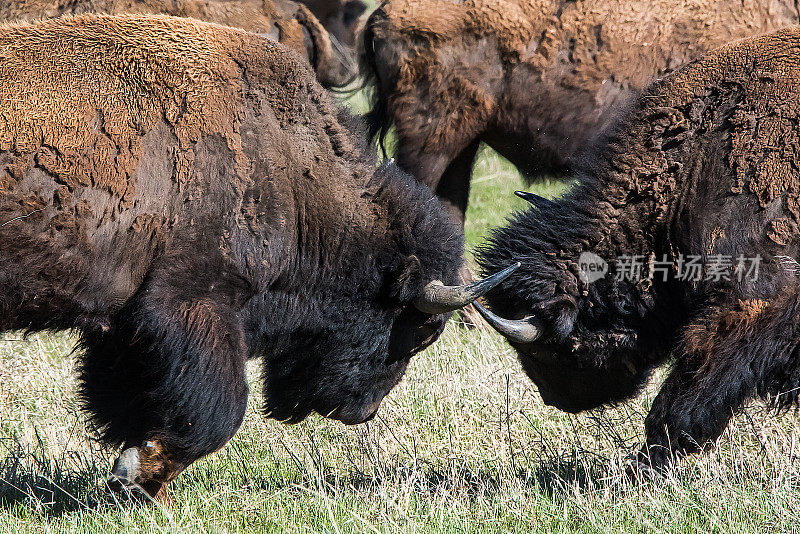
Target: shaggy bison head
[(348, 343), (583, 342), (343, 366)]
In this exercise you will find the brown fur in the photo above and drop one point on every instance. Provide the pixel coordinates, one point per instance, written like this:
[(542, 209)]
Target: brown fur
[(157, 468), (76, 166), (534, 79), (185, 195), (702, 338), (759, 76), (290, 23)]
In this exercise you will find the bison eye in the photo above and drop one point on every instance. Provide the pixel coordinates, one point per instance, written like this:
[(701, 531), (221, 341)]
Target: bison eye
[(563, 311)]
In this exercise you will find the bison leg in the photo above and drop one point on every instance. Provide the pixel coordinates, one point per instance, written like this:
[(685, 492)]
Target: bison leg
[(425, 168), (727, 357), (693, 407), (453, 192), (453, 187), (167, 381)]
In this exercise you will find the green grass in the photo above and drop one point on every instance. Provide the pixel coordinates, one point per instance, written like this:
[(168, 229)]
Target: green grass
[(463, 444), (492, 196)]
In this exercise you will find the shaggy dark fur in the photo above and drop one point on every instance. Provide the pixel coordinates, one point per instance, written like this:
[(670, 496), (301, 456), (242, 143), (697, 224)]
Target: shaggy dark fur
[(533, 79), (193, 201), (705, 164)]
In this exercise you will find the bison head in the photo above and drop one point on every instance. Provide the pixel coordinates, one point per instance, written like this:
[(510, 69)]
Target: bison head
[(347, 343), (330, 38), (583, 342), (340, 18), (344, 360)]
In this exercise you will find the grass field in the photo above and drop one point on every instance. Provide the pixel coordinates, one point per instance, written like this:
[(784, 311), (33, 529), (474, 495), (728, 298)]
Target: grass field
[(464, 444)]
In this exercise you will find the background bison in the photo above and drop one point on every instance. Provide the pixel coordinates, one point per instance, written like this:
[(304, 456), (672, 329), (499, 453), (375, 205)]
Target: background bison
[(195, 199), (703, 171), (285, 21), (339, 18), (533, 79)]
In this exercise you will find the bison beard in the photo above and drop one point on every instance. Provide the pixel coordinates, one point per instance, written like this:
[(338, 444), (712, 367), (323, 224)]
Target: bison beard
[(705, 165), (191, 201)]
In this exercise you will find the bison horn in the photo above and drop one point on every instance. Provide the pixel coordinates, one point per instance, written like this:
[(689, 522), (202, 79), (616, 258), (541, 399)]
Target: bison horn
[(438, 298), (536, 200), (521, 331)]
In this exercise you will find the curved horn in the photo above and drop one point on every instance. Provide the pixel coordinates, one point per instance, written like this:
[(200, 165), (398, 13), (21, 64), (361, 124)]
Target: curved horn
[(521, 331), (438, 298), (536, 200)]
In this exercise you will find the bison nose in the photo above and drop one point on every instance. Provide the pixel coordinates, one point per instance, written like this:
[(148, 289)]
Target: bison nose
[(357, 414)]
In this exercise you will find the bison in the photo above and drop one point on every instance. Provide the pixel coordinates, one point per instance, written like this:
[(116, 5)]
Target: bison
[(533, 79), (691, 202), (285, 21), (186, 196), (339, 18)]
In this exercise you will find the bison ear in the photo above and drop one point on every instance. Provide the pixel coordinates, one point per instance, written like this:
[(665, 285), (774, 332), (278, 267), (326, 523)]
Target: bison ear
[(562, 312), (407, 281)]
